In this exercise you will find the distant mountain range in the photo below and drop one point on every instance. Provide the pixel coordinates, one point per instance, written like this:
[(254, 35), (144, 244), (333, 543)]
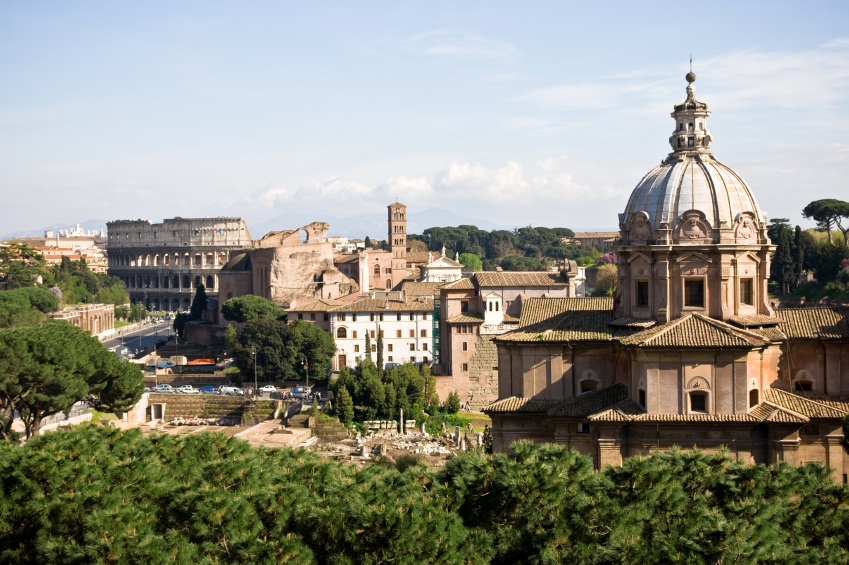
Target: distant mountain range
[(354, 227)]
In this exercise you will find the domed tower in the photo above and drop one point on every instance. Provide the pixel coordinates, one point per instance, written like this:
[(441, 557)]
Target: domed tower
[(692, 237)]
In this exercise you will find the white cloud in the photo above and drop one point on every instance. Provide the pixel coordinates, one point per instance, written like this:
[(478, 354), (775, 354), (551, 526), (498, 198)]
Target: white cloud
[(454, 45)]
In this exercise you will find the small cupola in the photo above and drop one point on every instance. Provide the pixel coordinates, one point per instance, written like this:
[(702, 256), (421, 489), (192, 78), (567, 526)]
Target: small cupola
[(691, 134)]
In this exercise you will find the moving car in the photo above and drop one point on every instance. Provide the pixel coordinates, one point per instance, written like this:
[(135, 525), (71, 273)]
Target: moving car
[(207, 389), (268, 388), (163, 388), (187, 389), (165, 365)]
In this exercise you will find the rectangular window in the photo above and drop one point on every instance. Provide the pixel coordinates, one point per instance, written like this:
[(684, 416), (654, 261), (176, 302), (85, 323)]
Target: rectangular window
[(465, 346), (412, 317), (464, 306), (465, 367), (373, 348), (312, 316), (691, 142), (747, 291), (381, 316), (425, 359), (354, 334), (353, 317), (381, 334), (399, 317), (412, 333), (694, 293), (300, 316), (341, 317), (326, 316), (698, 402), (389, 347), (371, 317), (398, 333), (356, 348), (412, 347), (423, 333), (424, 316), (372, 334), (413, 359), (642, 294), (389, 359), (424, 347)]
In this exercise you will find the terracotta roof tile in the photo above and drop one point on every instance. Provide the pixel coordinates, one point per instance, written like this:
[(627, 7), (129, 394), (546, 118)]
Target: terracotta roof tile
[(757, 320), (563, 319), (519, 279), (694, 330), (590, 402), (315, 306), (810, 407), (422, 288), (418, 304), (629, 322), (465, 319), (523, 405), (828, 322), (462, 284)]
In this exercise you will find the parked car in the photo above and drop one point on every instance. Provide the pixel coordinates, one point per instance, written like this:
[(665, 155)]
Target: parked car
[(301, 392), (163, 388), (268, 388), (187, 389), (207, 389), (165, 365), (230, 390)]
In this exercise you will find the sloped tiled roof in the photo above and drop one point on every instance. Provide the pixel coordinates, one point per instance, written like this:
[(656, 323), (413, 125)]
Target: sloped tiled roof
[(772, 334), (756, 320), (417, 257), (422, 288), (629, 322), (419, 304), (694, 330), (829, 322), (465, 319), (590, 402), (462, 284), (810, 407), (316, 306), (523, 405), (519, 279), (563, 319)]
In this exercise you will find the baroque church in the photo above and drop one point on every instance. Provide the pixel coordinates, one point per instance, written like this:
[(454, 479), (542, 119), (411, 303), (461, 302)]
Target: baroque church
[(689, 352)]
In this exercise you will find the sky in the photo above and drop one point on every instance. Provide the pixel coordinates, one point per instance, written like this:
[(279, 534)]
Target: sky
[(520, 113)]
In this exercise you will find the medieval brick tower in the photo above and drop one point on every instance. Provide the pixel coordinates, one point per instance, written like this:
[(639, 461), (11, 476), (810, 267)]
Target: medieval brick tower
[(398, 242)]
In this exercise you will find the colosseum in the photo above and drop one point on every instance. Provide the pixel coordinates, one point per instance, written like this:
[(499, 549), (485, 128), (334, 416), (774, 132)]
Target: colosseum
[(163, 264)]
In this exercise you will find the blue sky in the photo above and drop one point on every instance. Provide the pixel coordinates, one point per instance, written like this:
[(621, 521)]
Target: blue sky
[(521, 113)]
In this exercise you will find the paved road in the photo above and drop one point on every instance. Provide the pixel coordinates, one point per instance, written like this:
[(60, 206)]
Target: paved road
[(139, 336)]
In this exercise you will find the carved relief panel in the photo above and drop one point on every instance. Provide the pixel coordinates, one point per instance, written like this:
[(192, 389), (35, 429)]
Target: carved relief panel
[(692, 228)]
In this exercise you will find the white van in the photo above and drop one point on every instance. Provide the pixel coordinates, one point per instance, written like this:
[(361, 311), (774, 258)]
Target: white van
[(230, 390)]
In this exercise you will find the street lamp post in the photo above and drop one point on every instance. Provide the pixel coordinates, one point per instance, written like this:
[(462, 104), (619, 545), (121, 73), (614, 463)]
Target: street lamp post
[(306, 369), (256, 383)]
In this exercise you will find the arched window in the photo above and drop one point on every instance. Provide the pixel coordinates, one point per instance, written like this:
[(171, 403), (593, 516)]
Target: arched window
[(341, 333), (210, 281), (753, 398)]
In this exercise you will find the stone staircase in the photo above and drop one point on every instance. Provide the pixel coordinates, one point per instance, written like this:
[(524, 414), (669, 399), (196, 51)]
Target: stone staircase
[(210, 406)]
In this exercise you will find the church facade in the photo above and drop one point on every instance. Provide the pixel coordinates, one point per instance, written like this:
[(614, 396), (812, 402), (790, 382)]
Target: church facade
[(689, 352)]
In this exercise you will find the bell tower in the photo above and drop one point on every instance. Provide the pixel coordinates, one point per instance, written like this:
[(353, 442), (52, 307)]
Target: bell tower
[(398, 242)]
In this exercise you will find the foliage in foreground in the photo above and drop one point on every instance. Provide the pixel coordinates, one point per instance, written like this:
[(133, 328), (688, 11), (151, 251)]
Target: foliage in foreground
[(98, 495)]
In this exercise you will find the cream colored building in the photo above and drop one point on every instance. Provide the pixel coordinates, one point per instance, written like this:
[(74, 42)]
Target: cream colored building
[(689, 352)]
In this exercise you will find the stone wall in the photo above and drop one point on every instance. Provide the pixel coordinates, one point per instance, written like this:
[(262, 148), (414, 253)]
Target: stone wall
[(483, 374)]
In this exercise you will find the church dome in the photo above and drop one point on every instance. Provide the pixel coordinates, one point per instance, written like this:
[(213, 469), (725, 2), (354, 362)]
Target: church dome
[(690, 179)]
